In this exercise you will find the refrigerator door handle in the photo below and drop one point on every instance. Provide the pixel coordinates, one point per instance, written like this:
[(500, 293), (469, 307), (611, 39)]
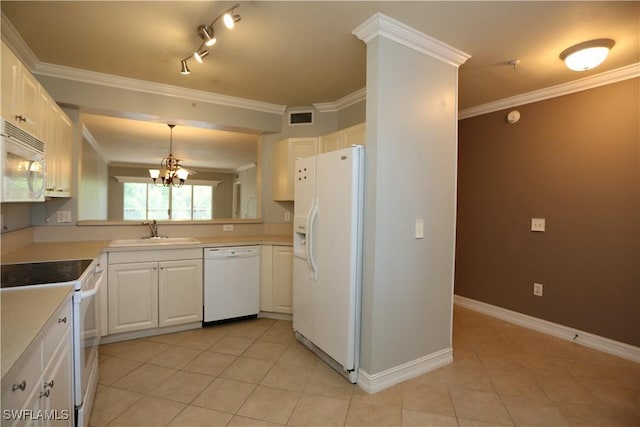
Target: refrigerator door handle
[(311, 219)]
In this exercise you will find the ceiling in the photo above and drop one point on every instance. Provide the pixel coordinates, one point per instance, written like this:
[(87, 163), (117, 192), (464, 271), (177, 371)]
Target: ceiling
[(297, 53)]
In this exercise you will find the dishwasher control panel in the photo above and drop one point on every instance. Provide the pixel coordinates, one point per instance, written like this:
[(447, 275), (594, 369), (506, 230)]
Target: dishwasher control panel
[(240, 251)]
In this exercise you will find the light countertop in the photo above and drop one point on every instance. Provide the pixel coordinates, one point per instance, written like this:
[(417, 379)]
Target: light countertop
[(25, 312), (54, 251)]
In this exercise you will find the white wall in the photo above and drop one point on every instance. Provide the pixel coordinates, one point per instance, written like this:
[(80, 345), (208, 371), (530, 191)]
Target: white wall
[(93, 184)]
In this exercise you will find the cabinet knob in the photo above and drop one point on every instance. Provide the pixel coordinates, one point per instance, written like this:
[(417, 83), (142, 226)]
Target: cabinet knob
[(48, 385), (19, 386), (45, 393), (20, 118), (63, 320)]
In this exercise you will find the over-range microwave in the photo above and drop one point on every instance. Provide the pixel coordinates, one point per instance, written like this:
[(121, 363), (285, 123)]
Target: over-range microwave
[(22, 165)]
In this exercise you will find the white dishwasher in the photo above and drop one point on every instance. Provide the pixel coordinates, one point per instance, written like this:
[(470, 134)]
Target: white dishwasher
[(231, 283)]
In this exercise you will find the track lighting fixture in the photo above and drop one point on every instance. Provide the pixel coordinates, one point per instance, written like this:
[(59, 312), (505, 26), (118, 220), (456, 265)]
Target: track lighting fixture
[(207, 34)]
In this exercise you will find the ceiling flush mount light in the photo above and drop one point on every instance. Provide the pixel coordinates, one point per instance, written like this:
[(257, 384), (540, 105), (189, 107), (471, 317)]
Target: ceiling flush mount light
[(170, 172), (587, 55), (207, 34)]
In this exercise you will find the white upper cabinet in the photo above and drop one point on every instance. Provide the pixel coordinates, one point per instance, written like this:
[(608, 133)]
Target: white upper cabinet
[(284, 163), (354, 135), (26, 104), (20, 94), (58, 134)]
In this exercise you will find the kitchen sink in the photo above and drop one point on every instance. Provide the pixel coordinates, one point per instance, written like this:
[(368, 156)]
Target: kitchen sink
[(153, 241)]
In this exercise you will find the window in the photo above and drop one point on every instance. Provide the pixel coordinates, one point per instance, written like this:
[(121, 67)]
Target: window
[(144, 201)]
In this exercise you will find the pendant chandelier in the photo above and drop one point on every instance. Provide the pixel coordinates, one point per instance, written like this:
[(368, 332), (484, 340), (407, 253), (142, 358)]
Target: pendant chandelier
[(170, 172)]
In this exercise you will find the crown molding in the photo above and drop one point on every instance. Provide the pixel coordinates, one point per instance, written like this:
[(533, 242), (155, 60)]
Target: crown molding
[(12, 39), (86, 134), (92, 77), (382, 25), (344, 102), (602, 79)]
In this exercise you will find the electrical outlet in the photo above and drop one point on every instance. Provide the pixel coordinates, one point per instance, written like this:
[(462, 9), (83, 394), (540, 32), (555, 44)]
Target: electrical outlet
[(64, 216), (227, 227), (537, 289), (537, 224), (287, 216)]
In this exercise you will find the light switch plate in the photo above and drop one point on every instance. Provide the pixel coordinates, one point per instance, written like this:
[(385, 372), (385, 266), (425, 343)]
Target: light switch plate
[(538, 224), (419, 229)]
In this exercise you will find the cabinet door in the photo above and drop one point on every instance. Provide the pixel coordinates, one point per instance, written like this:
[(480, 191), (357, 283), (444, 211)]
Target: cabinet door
[(58, 146), (64, 152), (355, 135), (266, 278), (49, 133), (22, 383), (29, 102), (133, 297), (180, 292), (285, 155), (58, 387), (9, 89), (283, 279), (331, 142)]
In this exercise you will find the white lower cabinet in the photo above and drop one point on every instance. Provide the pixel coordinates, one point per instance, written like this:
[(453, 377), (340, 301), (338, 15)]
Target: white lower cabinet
[(276, 279), (133, 297), (156, 293), (38, 391)]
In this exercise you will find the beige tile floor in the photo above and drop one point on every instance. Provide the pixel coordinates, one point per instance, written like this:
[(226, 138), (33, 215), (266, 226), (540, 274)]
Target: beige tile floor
[(254, 373)]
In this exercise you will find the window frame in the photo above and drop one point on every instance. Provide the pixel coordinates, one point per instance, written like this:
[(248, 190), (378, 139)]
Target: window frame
[(140, 180)]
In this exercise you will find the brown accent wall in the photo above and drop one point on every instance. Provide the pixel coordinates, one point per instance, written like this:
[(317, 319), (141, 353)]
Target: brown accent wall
[(574, 160)]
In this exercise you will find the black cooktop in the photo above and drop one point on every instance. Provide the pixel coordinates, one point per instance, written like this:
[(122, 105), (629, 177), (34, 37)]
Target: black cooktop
[(40, 273)]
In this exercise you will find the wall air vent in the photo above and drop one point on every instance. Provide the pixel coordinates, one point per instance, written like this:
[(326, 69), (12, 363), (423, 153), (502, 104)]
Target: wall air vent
[(301, 118)]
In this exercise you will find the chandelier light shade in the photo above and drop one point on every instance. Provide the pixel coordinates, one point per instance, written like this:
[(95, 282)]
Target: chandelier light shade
[(207, 34), (170, 172), (587, 55)]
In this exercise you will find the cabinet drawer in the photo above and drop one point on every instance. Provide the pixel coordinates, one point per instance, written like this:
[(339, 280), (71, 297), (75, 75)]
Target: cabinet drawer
[(19, 383), (58, 325)]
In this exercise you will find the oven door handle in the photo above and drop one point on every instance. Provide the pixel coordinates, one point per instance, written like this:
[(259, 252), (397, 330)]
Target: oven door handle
[(88, 294)]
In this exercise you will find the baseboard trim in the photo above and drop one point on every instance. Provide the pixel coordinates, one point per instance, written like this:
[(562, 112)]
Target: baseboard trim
[(275, 316), (373, 383), (596, 342)]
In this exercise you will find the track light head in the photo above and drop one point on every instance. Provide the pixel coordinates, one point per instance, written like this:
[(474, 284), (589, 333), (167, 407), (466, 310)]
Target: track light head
[(230, 18), (185, 68), (206, 33), (199, 56)]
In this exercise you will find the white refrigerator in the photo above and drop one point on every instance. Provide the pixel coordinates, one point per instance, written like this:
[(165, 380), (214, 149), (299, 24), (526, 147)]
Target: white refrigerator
[(327, 264)]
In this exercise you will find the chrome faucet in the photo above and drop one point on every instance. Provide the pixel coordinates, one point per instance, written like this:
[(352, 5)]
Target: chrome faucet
[(153, 227)]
